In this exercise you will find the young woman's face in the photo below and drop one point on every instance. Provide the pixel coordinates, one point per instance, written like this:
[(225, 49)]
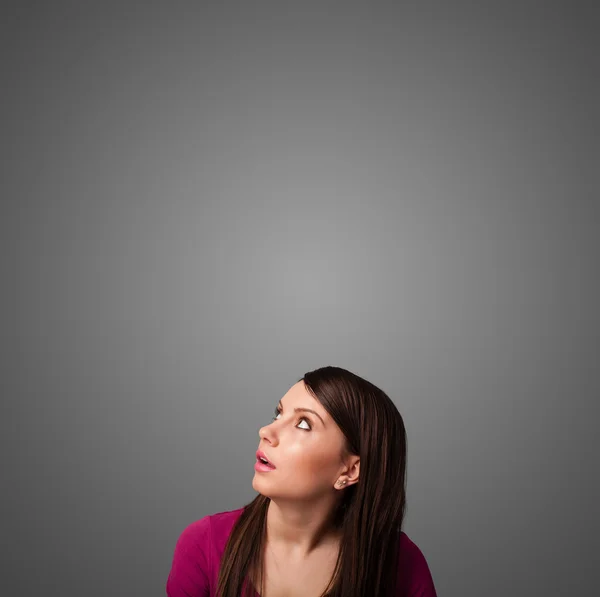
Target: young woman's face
[(306, 449)]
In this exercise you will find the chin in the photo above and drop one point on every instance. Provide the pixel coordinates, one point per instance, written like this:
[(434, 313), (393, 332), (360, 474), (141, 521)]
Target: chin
[(257, 482), (259, 486)]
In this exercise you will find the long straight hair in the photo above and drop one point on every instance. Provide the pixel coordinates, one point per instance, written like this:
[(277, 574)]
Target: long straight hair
[(371, 512)]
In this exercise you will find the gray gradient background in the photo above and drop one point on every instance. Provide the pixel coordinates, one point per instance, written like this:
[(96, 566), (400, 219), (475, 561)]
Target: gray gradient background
[(200, 202)]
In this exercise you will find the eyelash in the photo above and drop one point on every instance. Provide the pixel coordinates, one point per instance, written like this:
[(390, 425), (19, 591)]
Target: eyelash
[(278, 412)]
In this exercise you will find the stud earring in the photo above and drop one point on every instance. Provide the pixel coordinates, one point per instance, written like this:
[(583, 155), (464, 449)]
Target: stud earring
[(341, 482)]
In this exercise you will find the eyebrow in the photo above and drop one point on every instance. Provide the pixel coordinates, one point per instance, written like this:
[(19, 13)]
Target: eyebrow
[(307, 410)]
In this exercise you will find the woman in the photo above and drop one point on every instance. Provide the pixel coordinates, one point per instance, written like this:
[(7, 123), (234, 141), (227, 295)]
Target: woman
[(330, 474)]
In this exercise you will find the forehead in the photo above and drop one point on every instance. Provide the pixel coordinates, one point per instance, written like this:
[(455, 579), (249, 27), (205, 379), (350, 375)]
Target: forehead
[(299, 396)]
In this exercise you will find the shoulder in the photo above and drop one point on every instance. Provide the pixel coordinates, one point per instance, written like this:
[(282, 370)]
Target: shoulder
[(221, 524), (197, 552), (414, 575), (209, 530), (408, 548)]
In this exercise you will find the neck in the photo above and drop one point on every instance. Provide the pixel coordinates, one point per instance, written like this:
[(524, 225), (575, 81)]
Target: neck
[(299, 527)]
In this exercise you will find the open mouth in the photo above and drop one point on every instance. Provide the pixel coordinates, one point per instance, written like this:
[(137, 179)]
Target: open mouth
[(261, 458)]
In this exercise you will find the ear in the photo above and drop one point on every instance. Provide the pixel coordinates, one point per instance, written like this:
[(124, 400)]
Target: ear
[(353, 470)]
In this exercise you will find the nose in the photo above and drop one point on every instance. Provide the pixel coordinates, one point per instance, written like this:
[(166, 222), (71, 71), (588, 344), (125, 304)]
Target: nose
[(268, 433)]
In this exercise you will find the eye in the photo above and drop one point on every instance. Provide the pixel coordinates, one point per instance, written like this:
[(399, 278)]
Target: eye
[(302, 419)]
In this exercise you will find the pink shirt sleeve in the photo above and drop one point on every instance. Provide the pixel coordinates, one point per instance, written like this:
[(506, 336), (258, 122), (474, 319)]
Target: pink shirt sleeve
[(189, 570), (415, 578)]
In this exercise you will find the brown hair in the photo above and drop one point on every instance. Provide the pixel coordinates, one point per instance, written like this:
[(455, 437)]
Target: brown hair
[(372, 510)]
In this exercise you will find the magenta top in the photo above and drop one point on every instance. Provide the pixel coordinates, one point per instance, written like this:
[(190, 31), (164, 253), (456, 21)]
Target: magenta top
[(195, 566)]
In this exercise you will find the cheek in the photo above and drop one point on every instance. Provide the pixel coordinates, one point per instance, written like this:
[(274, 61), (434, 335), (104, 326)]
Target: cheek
[(315, 461)]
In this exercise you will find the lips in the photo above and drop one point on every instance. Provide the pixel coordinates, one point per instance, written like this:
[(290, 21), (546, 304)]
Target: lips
[(261, 455)]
